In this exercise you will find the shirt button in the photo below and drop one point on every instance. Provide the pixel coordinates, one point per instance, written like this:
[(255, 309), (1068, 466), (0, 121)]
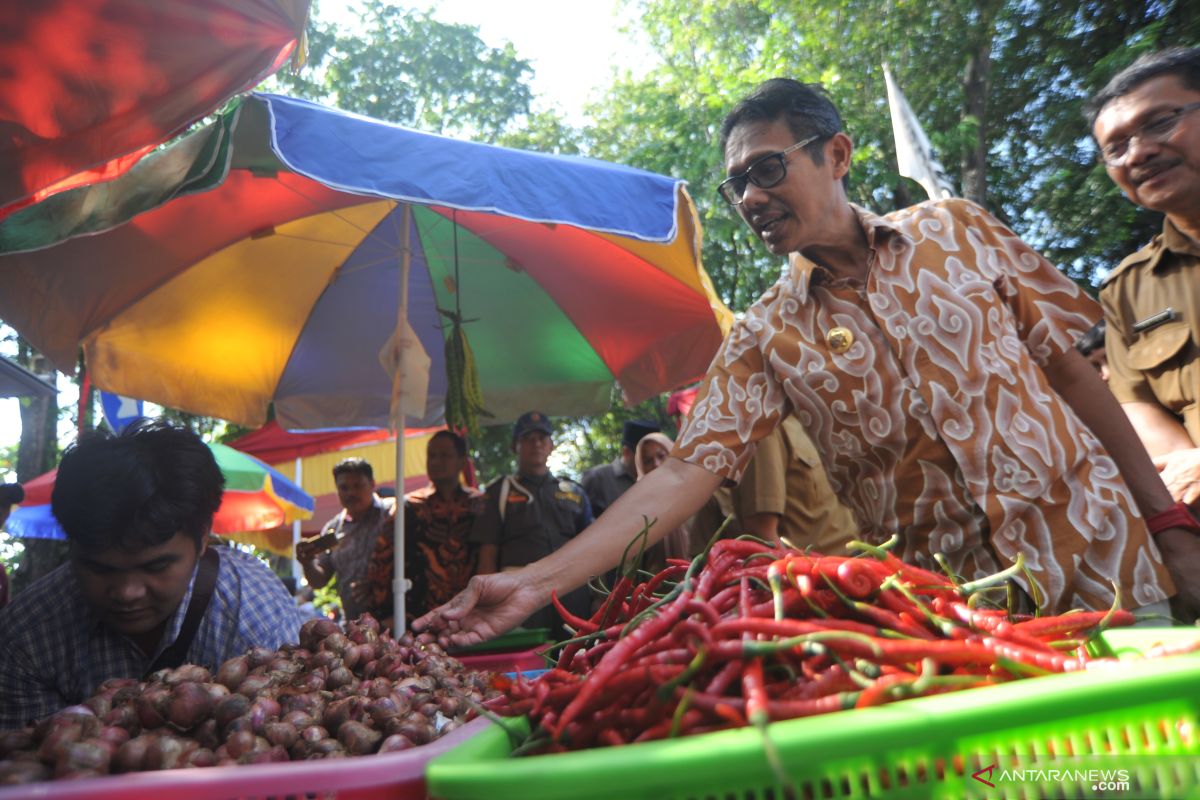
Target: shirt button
[(839, 339)]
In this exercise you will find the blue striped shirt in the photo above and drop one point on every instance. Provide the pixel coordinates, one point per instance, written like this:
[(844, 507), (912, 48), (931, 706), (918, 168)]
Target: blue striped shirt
[(54, 651)]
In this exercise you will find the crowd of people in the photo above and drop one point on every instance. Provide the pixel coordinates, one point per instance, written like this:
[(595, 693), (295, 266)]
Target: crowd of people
[(923, 373)]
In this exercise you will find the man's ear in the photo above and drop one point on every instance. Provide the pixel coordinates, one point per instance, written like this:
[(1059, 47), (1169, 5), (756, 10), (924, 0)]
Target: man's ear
[(839, 150)]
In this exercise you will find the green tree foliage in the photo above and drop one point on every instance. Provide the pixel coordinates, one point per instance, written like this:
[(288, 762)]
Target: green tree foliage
[(998, 86), (404, 66)]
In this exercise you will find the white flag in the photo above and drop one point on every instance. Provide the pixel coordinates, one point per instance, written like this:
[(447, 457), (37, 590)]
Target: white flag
[(914, 154)]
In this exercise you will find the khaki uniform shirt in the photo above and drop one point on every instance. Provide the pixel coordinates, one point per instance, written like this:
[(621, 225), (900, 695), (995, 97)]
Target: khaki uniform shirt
[(786, 477), (1161, 363), (930, 409)]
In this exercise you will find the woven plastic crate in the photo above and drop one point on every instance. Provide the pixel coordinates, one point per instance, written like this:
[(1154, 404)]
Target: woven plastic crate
[(388, 776), (926, 747)]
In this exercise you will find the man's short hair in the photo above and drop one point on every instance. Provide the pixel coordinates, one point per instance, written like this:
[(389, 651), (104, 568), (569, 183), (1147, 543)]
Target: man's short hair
[(1092, 340), (460, 444), (354, 466), (137, 489), (1181, 61), (805, 107)]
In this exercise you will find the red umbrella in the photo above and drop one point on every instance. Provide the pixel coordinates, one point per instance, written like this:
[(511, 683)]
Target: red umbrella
[(87, 87)]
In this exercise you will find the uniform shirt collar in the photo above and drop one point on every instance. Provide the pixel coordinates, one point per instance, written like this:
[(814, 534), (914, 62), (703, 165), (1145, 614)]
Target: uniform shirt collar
[(1176, 242), (535, 480)]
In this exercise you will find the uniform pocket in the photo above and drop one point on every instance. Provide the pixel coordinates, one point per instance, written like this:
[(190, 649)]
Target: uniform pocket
[(1154, 348)]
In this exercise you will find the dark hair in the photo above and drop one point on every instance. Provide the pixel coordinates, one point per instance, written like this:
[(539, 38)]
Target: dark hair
[(460, 444), (805, 107), (1181, 61), (137, 489), (1093, 339), (354, 466), (11, 493)]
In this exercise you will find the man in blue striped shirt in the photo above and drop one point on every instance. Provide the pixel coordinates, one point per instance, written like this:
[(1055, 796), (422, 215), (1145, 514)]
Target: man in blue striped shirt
[(137, 510)]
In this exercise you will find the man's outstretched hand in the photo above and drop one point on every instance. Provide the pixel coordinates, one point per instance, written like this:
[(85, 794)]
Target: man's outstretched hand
[(490, 605)]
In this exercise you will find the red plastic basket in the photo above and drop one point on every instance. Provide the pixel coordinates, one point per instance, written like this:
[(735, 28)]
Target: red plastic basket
[(389, 776)]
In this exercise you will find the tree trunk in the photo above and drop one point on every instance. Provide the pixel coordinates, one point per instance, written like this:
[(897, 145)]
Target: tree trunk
[(976, 85), (37, 451), (37, 454)]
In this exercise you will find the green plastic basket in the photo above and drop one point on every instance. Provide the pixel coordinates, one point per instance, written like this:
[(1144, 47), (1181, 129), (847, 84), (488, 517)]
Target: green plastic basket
[(516, 639), (1140, 718)]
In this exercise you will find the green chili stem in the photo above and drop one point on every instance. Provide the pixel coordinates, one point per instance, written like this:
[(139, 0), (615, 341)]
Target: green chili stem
[(880, 551), (1018, 567)]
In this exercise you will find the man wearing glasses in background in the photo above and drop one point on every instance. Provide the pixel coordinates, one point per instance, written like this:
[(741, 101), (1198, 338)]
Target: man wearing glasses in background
[(929, 355), (1148, 132)]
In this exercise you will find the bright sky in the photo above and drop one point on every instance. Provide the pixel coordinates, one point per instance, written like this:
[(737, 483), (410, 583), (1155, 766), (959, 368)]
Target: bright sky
[(573, 46)]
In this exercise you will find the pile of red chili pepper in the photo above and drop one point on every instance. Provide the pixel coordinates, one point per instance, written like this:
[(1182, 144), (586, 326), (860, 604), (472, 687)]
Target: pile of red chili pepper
[(748, 634)]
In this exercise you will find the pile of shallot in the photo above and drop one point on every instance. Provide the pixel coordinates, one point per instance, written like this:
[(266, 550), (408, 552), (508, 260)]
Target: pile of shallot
[(338, 693)]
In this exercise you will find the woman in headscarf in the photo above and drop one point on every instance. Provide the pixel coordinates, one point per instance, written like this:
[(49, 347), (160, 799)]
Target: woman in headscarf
[(651, 452)]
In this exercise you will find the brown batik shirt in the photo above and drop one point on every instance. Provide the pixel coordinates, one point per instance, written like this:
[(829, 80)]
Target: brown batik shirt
[(937, 422)]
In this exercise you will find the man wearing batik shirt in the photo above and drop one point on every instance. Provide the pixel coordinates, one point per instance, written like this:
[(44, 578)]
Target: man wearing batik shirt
[(928, 354), (437, 520), (143, 589)]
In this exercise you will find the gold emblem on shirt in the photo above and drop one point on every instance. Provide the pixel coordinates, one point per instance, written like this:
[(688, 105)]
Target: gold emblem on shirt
[(839, 339)]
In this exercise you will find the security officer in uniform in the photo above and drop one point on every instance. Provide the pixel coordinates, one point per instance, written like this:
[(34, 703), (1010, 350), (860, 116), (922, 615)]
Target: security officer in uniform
[(531, 514), (1146, 122)]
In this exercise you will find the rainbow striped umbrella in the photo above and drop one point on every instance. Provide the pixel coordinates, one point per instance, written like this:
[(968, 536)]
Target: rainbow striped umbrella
[(256, 498), (258, 262), (277, 257)]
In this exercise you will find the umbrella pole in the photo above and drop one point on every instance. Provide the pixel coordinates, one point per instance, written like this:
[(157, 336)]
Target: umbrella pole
[(400, 581), (297, 568)]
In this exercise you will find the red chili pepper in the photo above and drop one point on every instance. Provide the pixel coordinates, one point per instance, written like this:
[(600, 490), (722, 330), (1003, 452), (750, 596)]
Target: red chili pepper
[(877, 693), (579, 624), (832, 679), (787, 627), (856, 578), (1044, 627), (611, 738), (755, 692), (663, 728), (779, 709), (740, 548), (615, 660), (723, 678), (996, 625)]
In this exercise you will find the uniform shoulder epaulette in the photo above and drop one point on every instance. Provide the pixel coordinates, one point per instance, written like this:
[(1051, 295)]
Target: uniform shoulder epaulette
[(1137, 257)]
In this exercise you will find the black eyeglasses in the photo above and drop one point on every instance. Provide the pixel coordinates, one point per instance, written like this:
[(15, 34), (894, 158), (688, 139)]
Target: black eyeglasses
[(764, 173), (1156, 131)]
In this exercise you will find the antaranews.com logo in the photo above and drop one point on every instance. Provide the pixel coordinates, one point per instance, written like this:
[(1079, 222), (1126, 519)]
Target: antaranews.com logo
[(1128, 777)]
